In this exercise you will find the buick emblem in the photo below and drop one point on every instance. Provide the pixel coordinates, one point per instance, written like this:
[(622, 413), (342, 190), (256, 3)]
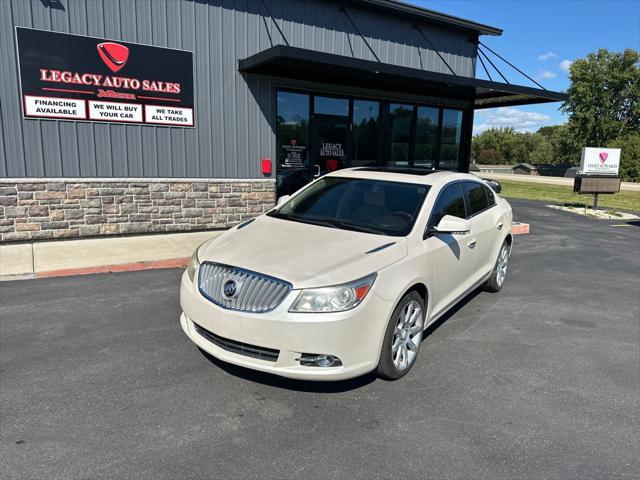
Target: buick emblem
[(229, 289)]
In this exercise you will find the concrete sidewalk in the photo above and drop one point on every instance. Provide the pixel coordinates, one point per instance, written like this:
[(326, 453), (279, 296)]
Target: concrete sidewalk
[(95, 255), (61, 258)]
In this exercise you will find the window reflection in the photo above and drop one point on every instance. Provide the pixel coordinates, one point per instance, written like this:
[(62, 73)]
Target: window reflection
[(366, 125), (399, 134), (426, 134), (450, 139), (292, 129), (331, 106)]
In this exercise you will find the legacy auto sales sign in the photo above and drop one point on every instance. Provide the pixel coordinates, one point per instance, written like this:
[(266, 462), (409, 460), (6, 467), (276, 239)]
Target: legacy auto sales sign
[(600, 161), (73, 77)]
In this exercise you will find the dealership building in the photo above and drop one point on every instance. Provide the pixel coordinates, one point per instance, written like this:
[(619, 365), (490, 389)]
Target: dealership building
[(181, 115)]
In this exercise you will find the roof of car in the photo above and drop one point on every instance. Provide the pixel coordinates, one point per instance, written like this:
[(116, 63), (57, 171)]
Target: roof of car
[(408, 175)]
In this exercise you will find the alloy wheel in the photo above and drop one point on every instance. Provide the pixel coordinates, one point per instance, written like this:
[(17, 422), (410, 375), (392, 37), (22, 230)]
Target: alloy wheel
[(407, 336), (501, 267)]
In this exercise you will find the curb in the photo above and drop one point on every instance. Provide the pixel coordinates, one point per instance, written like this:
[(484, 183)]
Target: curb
[(126, 267)]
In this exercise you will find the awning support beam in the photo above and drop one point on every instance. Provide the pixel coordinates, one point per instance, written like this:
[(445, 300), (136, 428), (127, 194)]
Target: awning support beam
[(510, 64), (275, 23), (344, 10), (485, 68), (434, 48), (481, 52)]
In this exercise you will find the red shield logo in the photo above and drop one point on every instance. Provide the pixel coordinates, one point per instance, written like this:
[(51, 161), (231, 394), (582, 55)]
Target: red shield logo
[(113, 55)]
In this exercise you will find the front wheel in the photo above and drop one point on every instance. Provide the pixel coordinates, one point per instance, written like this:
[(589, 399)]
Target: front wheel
[(402, 338), (499, 273)]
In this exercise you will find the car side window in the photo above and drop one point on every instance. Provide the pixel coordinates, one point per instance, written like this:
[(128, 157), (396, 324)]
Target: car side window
[(449, 202), (490, 196), (476, 197)]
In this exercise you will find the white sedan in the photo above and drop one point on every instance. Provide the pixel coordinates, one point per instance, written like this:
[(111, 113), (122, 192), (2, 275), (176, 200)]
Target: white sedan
[(343, 277)]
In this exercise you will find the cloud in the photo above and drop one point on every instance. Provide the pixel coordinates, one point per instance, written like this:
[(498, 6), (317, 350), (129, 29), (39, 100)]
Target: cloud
[(565, 65), (547, 56), (504, 117), (546, 75)]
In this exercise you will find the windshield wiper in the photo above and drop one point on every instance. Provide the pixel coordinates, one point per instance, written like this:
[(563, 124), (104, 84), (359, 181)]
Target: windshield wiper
[(360, 228), (328, 222), (293, 218)]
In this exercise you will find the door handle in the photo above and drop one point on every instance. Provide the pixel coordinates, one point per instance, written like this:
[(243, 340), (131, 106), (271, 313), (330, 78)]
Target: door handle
[(472, 243), (499, 226)]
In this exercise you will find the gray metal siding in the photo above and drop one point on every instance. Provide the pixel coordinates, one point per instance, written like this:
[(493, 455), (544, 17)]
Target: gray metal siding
[(233, 115)]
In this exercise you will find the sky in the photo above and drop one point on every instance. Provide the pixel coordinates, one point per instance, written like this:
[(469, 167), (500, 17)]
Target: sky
[(542, 38)]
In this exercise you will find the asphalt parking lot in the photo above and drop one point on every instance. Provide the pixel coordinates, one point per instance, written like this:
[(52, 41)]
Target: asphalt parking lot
[(541, 380)]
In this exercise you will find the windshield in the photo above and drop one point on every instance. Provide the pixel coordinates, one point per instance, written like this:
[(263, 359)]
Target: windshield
[(372, 206)]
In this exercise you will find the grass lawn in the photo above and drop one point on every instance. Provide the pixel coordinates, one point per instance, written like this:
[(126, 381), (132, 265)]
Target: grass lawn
[(629, 201)]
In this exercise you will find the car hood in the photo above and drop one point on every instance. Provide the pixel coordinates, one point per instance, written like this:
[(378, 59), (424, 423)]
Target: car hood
[(305, 255)]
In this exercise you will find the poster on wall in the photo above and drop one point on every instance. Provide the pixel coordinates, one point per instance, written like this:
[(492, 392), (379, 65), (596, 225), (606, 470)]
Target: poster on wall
[(294, 154), (79, 78)]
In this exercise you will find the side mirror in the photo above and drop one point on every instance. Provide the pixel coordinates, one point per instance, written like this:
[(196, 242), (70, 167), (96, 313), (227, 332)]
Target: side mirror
[(451, 225), (283, 199)]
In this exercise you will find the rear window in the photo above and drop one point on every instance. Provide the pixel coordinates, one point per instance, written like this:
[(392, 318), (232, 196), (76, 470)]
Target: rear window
[(476, 197)]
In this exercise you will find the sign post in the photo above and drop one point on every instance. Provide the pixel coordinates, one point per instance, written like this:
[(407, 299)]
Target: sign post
[(598, 172)]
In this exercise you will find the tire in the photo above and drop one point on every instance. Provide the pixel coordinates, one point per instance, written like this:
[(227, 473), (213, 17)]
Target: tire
[(499, 273), (398, 346)]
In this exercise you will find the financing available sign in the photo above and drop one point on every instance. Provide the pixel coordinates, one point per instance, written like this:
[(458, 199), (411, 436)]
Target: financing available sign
[(600, 161), (73, 77)]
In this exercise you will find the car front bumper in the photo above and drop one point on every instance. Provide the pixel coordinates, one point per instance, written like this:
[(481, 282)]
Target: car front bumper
[(354, 336)]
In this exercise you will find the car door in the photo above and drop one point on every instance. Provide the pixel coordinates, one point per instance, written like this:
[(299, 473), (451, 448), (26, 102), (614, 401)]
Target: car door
[(453, 259), (485, 226)]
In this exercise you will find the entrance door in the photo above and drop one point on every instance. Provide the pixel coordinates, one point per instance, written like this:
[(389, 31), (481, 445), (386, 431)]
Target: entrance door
[(329, 144)]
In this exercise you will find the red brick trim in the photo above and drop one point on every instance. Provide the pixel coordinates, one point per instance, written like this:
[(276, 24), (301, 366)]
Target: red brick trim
[(520, 228), (126, 267)]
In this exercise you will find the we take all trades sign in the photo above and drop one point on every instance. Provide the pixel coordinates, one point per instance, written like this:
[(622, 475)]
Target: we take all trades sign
[(74, 77)]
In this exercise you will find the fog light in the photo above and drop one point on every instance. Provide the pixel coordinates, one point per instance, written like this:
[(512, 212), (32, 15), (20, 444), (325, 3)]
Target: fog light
[(319, 360)]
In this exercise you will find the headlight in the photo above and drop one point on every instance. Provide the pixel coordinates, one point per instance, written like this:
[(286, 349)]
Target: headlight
[(333, 299), (193, 264)]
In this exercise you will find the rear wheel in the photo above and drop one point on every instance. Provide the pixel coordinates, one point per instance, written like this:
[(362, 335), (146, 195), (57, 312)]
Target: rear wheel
[(499, 274), (402, 338)]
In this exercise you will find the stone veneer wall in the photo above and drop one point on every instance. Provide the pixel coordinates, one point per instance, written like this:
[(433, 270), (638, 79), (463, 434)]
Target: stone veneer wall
[(34, 209)]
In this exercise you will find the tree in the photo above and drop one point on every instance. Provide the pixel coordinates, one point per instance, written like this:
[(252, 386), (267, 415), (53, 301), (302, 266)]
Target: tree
[(604, 97), (630, 158)]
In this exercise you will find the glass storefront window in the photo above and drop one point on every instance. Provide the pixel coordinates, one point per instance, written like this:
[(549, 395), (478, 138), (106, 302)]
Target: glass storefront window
[(292, 129), (399, 134), (426, 136), (319, 134), (366, 127), (450, 139), (331, 106)]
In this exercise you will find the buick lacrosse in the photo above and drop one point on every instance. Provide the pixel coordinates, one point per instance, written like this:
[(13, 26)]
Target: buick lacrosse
[(344, 276)]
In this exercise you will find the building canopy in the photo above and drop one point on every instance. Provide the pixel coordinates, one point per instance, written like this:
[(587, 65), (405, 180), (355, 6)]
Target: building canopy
[(303, 64)]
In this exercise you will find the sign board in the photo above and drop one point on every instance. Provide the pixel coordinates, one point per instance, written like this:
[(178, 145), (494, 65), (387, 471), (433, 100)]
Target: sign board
[(600, 161), (596, 184), (73, 77)]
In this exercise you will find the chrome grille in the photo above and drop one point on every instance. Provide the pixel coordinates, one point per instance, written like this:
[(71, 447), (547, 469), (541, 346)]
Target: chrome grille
[(255, 292)]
